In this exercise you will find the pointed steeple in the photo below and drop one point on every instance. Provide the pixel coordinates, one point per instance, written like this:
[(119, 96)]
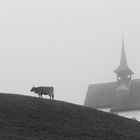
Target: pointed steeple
[(123, 60), (123, 67)]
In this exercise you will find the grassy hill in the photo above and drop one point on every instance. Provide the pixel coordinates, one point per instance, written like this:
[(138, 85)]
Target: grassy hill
[(30, 118)]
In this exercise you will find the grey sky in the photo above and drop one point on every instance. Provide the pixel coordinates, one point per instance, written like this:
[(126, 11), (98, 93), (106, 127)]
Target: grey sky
[(66, 44)]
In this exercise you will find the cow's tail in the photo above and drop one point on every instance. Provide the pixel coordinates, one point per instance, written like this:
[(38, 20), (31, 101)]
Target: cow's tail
[(52, 93), (52, 96)]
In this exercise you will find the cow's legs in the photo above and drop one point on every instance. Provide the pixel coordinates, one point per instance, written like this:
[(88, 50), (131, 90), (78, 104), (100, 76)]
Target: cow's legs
[(51, 97), (40, 95)]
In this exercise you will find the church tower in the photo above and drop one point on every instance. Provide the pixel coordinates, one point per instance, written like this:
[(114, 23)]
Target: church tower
[(124, 85), (124, 73)]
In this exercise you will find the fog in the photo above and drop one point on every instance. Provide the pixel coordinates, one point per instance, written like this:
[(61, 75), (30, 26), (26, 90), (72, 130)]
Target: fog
[(66, 44)]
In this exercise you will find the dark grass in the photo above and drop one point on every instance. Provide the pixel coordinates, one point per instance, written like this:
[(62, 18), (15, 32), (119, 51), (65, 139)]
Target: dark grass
[(31, 118)]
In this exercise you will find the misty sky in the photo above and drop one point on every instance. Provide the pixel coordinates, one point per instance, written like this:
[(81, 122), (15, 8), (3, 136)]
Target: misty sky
[(66, 44)]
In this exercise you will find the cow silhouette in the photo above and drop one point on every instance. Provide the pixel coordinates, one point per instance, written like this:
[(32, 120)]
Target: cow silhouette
[(41, 90)]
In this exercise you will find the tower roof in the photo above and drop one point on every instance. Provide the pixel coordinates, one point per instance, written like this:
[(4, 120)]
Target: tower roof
[(123, 67)]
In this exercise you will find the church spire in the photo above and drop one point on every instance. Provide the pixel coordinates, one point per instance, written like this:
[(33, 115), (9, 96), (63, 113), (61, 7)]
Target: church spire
[(123, 67), (123, 60)]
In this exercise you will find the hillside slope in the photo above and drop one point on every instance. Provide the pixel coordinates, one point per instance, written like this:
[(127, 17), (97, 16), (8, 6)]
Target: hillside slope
[(30, 118)]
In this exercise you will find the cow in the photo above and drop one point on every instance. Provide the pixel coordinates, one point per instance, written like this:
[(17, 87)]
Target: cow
[(43, 90)]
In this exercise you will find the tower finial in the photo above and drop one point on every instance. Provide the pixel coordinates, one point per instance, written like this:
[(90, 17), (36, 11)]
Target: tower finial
[(122, 39)]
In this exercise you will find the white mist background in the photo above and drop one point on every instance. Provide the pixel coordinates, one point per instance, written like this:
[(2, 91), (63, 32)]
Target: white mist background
[(66, 44)]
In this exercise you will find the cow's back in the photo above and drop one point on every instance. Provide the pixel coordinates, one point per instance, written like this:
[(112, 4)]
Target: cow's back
[(45, 90)]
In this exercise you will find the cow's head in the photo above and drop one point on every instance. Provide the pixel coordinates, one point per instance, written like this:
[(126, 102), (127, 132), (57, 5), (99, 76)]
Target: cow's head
[(32, 89)]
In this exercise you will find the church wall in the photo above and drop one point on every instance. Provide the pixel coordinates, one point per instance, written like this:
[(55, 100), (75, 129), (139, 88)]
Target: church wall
[(127, 114)]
